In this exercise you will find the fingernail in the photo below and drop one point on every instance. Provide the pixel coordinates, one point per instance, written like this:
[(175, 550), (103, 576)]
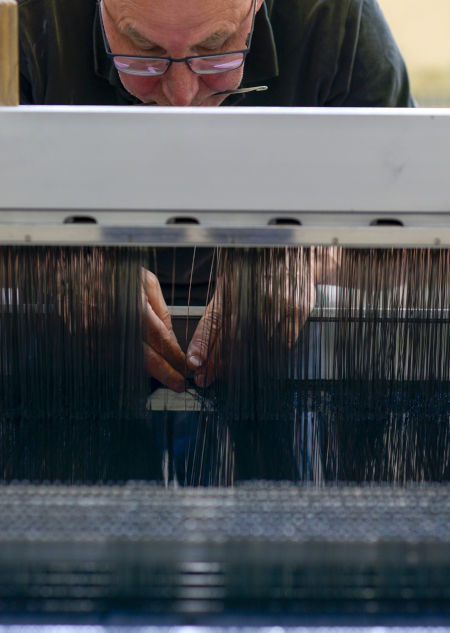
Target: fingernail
[(195, 361)]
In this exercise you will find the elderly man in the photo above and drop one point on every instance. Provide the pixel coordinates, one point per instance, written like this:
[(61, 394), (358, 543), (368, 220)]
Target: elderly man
[(184, 52), (205, 53)]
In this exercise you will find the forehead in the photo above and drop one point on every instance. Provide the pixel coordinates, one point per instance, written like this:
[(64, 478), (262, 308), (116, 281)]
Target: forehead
[(181, 14)]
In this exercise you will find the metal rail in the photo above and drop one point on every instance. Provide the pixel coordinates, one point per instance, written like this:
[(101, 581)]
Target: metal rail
[(232, 236)]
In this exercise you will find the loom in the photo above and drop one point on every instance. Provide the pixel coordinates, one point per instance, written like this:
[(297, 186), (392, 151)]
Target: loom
[(260, 554)]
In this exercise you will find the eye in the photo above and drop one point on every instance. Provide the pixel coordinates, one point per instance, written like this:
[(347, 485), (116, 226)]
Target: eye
[(218, 44), (150, 51), (210, 49)]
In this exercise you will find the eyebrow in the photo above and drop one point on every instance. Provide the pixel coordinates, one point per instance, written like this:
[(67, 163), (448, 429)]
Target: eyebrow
[(219, 37)]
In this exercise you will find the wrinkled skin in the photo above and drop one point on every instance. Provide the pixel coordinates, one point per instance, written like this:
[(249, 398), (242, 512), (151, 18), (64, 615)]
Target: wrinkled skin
[(178, 28)]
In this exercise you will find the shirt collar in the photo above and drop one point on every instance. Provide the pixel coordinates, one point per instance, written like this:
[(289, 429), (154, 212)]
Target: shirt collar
[(261, 63), (262, 60)]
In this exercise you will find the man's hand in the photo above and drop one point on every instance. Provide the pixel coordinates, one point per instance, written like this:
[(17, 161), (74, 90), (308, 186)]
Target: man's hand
[(292, 304), (163, 357), (203, 352)]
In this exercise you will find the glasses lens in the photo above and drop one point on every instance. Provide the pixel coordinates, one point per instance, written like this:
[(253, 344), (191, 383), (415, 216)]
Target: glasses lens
[(212, 64), (143, 67)]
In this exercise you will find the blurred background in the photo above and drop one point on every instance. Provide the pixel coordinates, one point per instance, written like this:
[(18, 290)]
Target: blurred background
[(422, 31)]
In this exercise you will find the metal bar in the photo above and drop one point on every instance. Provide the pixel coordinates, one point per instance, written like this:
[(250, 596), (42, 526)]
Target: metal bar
[(346, 626), (336, 313), (191, 159), (197, 235)]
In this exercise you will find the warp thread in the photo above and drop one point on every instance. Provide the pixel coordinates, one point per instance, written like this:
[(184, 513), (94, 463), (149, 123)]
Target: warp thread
[(331, 365)]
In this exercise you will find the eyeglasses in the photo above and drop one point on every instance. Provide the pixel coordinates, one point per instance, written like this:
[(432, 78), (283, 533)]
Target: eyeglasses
[(199, 64)]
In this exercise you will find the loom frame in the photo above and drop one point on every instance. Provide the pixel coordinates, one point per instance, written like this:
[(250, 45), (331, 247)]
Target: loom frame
[(352, 177)]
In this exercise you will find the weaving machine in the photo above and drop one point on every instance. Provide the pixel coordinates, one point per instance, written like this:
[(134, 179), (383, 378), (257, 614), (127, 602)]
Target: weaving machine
[(261, 553)]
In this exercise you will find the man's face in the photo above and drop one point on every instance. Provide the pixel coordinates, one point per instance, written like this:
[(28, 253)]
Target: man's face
[(178, 28)]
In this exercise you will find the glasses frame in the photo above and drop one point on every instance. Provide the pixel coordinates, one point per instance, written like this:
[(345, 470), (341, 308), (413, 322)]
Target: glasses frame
[(177, 60)]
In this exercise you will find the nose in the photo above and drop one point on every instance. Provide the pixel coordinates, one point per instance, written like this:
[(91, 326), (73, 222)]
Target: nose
[(180, 85)]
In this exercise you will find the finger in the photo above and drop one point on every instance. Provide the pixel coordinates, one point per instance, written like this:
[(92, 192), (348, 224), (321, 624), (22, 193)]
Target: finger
[(155, 297), (205, 335), (156, 323), (155, 365), (162, 340), (204, 376), (201, 356)]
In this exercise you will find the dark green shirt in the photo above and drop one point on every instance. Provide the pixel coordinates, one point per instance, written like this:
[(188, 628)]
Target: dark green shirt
[(309, 53)]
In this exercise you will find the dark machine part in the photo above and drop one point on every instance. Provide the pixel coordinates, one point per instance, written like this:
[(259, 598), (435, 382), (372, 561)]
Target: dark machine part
[(258, 554)]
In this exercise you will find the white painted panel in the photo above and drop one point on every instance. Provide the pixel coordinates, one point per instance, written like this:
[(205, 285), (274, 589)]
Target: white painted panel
[(225, 159)]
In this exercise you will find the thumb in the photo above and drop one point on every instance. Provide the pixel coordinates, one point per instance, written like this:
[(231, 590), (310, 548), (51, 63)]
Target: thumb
[(200, 356)]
